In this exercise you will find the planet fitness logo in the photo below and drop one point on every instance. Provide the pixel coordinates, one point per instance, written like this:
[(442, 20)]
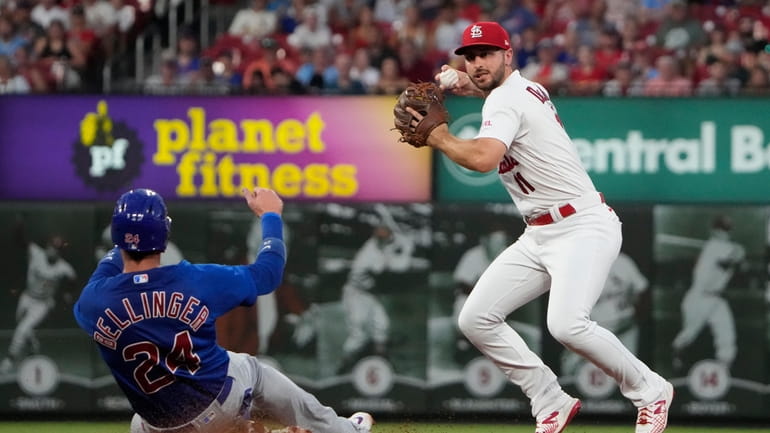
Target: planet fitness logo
[(107, 154), (467, 127)]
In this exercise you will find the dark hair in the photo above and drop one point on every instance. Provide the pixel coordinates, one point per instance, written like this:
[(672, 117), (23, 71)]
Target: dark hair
[(138, 256)]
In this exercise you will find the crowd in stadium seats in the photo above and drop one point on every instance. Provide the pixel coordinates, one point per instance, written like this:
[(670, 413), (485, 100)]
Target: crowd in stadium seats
[(610, 48)]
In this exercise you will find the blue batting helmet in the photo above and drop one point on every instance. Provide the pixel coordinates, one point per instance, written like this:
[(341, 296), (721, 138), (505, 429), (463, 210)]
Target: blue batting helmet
[(140, 221)]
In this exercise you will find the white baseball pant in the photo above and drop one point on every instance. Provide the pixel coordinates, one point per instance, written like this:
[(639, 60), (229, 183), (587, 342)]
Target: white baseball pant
[(572, 258)]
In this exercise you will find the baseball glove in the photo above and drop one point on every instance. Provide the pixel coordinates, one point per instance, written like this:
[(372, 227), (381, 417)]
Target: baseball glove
[(428, 100)]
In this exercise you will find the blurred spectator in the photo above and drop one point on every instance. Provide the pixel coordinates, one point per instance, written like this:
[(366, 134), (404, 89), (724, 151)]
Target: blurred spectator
[(285, 84), (430, 9), (546, 70), (254, 83), (526, 48), (316, 72), (10, 80), (414, 67), (79, 33), (379, 49), (514, 15), (101, 17), (608, 52), (584, 28), (363, 71), (255, 22), (653, 9), (718, 83), (643, 63), (623, 83), (390, 11), (557, 15), (290, 14), (344, 83), (469, 10), (669, 81), (447, 35), (166, 81), (410, 27), (83, 40), (126, 18), (586, 77), (9, 40), (126, 15), (225, 70), (61, 56), (48, 11), (31, 70), (273, 56), (205, 81), (678, 29), (390, 82), (23, 23), (342, 15), (758, 82), (365, 32), (716, 46), (311, 32), (187, 55), (617, 10)]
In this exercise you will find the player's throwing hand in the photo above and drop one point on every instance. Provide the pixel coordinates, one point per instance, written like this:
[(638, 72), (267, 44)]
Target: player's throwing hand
[(262, 200)]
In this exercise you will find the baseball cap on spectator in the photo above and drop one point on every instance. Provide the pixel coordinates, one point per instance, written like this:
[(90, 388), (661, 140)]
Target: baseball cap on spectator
[(484, 33)]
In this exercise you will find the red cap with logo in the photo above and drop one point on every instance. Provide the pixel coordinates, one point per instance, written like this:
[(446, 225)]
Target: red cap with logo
[(487, 33)]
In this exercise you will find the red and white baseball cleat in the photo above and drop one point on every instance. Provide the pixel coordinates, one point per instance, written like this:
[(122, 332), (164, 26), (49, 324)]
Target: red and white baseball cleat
[(557, 420), (654, 417), (363, 421)]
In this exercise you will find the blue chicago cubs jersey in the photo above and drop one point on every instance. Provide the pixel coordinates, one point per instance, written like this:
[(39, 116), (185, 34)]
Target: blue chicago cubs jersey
[(156, 330)]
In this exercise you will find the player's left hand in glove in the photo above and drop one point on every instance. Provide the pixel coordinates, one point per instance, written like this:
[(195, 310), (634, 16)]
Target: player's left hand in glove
[(427, 99)]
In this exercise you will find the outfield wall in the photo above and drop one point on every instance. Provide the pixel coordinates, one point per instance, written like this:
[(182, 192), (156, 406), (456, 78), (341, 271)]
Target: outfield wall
[(669, 168)]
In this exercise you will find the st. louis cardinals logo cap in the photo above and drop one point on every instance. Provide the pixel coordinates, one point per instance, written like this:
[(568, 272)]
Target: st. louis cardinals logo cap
[(484, 33)]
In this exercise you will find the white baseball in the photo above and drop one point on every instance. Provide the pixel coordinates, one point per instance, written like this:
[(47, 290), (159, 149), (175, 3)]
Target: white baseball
[(448, 78)]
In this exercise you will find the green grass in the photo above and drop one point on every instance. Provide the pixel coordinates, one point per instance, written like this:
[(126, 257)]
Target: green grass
[(385, 427)]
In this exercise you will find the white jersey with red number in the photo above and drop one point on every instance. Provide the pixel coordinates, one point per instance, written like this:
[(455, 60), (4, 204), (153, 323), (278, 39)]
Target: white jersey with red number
[(541, 167)]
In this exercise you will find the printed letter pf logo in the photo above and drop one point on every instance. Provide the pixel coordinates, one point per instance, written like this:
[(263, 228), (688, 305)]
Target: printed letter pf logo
[(476, 31), (107, 152)]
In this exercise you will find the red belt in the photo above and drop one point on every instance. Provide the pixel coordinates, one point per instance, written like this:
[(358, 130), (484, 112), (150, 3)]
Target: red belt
[(547, 218)]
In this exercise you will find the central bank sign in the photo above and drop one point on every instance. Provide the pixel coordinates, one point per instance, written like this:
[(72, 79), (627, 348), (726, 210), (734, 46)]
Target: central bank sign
[(683, 151)]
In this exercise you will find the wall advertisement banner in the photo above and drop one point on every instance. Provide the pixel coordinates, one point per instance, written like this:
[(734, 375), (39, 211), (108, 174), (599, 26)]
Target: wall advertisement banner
[(320, 149), (642, 150)]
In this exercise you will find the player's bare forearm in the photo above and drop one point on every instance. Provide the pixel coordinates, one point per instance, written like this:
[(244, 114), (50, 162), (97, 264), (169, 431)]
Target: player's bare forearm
[(478, 154), (463, 87)]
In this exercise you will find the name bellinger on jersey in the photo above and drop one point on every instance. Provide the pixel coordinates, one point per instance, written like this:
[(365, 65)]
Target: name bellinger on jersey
[(156, 328)]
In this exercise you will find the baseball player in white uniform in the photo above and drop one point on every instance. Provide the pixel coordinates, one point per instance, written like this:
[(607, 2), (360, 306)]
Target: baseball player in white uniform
[(615, 309), (386, 250), (46, 272), (570, 242), (703, 303), (469, 268)]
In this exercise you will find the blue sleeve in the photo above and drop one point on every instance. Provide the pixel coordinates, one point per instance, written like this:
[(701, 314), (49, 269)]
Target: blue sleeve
[(109, 266), (267, 269)]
